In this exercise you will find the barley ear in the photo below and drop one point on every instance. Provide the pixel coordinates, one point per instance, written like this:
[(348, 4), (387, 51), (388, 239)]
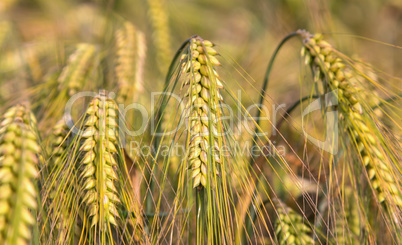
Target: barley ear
[(103, 178), (18, 169), (203, 109), (79, 64), (98, 163), (347, 219), (290, 227), (329, 67), (129, 65), (161, 36)]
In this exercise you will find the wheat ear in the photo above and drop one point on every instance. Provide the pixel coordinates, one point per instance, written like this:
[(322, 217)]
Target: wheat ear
[(328, 66), (18, 170), (203, 107)]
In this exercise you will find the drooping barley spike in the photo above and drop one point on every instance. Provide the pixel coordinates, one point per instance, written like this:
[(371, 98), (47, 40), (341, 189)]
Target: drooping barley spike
[(290, 227), (130, 57), (80, 63), (18, 170), (347, 220), (330, 68), (366, 89), (97, 179), (203, 108), (161, 36)]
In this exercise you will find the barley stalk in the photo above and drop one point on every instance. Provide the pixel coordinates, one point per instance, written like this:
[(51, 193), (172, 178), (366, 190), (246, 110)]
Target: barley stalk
[(203, 108), (326, 64), (290, 227), (18, 170)]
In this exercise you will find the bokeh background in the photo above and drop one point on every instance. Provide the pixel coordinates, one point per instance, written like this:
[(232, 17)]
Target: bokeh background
[(43, 32)]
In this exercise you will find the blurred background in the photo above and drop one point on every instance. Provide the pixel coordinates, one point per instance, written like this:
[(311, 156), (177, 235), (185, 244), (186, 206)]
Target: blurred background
[(246, 33)]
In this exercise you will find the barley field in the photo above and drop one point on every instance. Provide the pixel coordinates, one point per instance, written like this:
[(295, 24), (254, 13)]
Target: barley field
[(200, 122)]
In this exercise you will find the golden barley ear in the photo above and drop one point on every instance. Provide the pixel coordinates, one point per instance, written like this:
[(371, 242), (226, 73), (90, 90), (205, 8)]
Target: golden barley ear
[(19, 151), (330, 68), (290, 227)]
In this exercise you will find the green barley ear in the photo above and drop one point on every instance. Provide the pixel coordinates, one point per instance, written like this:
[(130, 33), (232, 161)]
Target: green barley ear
[(290, 227), (18, 170), (79, 64), (330, 68), (130, 57), (99, 146), (204, 160), (203, 108), (102, 178), (161, 37)]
